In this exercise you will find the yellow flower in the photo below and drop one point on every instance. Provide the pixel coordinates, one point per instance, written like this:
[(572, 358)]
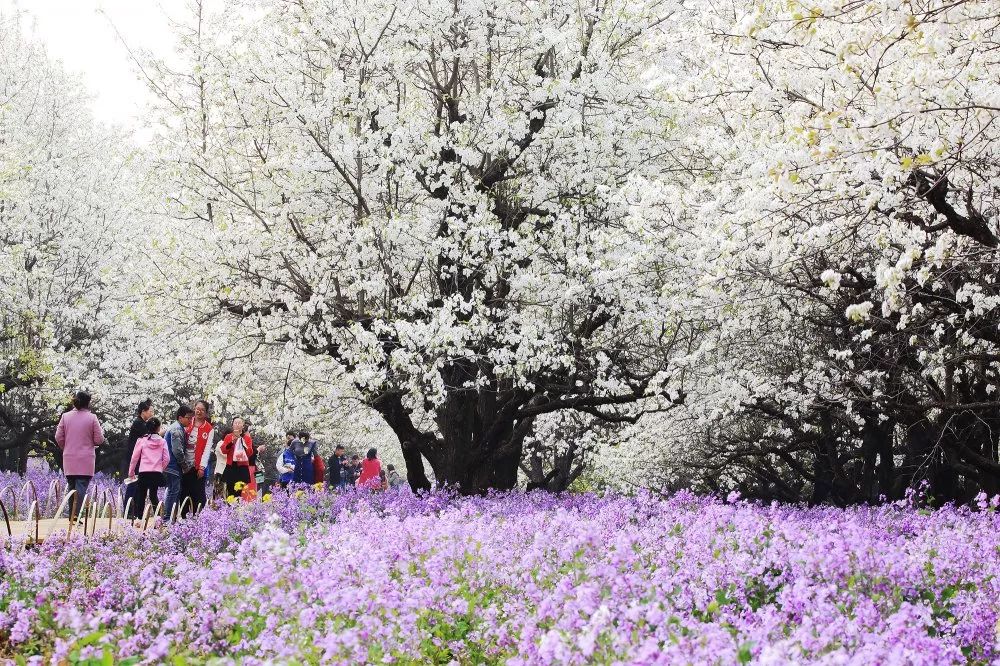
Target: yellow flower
[(238, 486), (299, 493), (231, 499), (266, 497)]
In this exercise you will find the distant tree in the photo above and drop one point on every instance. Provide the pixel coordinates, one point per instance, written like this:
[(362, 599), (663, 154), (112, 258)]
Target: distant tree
[(67, 258), (845, 164)]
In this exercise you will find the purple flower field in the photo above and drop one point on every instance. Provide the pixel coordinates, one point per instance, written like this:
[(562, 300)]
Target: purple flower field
[(514, 579)]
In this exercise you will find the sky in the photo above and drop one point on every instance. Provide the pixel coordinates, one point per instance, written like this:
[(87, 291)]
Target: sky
[(82, 34)]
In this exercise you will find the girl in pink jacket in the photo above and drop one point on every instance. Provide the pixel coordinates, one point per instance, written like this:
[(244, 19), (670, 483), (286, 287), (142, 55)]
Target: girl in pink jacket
[(149, 458)]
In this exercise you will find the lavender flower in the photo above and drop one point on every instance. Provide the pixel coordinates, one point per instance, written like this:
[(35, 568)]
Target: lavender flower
[(356, 577)]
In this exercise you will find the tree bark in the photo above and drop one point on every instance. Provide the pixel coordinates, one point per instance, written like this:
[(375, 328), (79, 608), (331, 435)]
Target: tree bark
[(481, 443), (415, 474), (411, 440)]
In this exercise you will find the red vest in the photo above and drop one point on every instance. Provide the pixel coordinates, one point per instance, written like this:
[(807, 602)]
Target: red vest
[(201, 440)]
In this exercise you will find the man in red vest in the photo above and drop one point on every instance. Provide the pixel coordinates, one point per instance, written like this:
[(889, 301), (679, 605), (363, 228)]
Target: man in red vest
[(201, 438)]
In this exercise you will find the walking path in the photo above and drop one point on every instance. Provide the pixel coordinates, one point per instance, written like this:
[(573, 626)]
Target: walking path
[(58, 527)]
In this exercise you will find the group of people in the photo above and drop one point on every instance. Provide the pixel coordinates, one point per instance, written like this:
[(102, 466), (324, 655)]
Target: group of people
[(188, 458), (367, 473), (185, 457)]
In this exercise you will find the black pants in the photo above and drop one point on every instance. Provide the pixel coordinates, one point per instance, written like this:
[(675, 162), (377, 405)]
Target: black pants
[(234, 474), (147, 484), (193, 487)]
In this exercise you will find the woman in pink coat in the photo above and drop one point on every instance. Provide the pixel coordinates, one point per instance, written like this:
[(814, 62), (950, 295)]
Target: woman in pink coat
[(149, 459), (78, 435)]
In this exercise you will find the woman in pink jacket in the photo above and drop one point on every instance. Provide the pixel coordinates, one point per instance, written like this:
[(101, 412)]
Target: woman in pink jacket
[(151, 458), (78, 435)]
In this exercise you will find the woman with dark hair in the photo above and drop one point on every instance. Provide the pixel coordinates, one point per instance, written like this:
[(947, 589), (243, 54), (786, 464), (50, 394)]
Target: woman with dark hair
[(148, 462), (237, 448), (143, 413), (78, 435), (305, 452), (371, 472)]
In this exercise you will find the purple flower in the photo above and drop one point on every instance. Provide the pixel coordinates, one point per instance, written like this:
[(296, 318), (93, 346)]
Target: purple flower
[(519, 579)]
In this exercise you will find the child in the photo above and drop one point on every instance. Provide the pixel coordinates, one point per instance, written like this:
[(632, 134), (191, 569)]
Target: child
[(151, 457)]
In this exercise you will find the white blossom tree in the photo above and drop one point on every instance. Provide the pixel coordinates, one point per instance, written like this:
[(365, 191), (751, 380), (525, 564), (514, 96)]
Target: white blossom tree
[(844, 163), (70, 251), (447, 199)]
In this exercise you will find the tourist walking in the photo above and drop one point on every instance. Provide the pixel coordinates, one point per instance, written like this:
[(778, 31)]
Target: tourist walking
[(200, 436), (78, 435), (237, 448), (371, 472), (180, 464), (143, 413), (149, 460)]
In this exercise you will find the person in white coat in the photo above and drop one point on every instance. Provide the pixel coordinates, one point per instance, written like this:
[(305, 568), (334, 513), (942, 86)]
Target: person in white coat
[(285, 465)]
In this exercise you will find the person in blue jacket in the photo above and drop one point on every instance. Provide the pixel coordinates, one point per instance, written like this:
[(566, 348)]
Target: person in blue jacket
[(181, 459), (304, 450), (286, 462)]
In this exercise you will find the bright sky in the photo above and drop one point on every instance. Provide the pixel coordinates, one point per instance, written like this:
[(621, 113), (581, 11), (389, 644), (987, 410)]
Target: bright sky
[(81, 33)]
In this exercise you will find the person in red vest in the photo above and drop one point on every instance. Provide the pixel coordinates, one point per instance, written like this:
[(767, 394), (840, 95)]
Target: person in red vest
[(201, 436), (237, 448)]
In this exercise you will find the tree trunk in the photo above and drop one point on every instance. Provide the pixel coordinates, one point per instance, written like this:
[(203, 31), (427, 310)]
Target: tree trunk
[(14, 456), (916, 462), (823, 466), (415, 474), (869, 452), (886, 471), (824, 474), (476, 453), (876, 446), (411, 440)]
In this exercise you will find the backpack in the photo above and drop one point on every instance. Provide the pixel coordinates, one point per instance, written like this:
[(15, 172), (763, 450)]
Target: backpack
[(319, 469)]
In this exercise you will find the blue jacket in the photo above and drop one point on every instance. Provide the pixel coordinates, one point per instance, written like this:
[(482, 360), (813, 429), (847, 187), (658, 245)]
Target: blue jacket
[(177, 447), (287, 463), (304, 472)]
